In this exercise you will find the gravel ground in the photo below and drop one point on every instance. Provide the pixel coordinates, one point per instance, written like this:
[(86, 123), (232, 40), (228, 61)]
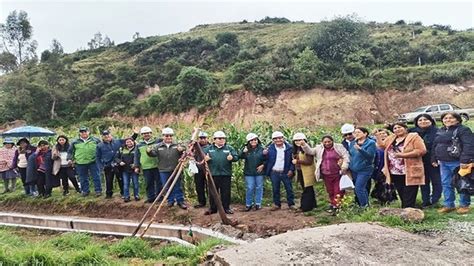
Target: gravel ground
[(356, 243)]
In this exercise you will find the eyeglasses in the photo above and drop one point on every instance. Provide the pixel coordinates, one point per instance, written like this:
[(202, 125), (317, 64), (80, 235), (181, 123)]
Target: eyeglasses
[(219, 138), (347, 134), (202, 137)]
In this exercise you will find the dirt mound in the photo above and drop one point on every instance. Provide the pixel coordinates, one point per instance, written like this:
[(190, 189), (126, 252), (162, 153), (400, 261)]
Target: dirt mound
[(320, 106), (359, 243), (253, 224)]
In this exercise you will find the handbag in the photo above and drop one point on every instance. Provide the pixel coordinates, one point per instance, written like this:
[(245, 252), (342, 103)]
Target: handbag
[(345, 183), (463, 184), (455, 149)]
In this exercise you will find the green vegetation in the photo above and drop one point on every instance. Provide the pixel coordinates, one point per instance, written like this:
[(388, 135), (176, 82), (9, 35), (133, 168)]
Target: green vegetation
[(32, 247), (194, 69)]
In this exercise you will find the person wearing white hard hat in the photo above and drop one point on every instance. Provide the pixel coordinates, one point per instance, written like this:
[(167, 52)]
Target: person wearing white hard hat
[(148, 165), (252, 153), (200, 177), (168, 153), (220, 157), (280, 169), (332, 160), (347, 131), (304, 164)]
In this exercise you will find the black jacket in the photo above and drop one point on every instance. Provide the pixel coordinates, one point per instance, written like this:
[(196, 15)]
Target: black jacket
[(428, 135), (443, 140)]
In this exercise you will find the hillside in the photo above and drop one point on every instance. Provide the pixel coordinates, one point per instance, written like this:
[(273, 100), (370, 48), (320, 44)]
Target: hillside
[(190, 72)]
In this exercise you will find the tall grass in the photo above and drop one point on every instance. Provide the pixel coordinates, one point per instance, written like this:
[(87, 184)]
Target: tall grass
[(21, 247)]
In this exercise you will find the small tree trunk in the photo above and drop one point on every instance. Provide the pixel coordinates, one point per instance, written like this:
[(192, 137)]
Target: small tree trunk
[(53, 111)]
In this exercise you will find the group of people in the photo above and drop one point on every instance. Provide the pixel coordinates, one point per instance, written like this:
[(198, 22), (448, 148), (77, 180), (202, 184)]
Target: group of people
[(408, 158)]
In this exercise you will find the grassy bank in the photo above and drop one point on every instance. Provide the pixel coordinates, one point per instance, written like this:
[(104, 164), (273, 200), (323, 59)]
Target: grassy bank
[(33, 247)]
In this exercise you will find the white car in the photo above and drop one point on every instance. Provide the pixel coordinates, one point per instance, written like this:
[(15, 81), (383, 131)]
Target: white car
[(436, 111)]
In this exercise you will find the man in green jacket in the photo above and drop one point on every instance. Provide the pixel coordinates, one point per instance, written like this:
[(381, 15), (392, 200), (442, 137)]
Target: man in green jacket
[(82, 153), (148, 164), (220, 156), (168, 154)]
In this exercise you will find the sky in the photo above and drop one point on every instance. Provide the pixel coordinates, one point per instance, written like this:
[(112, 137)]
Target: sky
[(74, 22)]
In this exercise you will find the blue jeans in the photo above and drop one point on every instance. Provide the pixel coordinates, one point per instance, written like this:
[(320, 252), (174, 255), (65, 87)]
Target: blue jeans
[(360, 183), (176, 193), (254, 185), (83, 171), (153, 183), (447, 169), (276, 178), (432, 176), (127, 178)]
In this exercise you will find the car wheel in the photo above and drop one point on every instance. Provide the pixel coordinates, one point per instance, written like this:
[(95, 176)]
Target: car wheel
[(464, 117)]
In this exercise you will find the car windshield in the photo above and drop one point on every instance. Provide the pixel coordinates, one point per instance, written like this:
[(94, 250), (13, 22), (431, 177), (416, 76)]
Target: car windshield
[(455, 107), (420, 109)]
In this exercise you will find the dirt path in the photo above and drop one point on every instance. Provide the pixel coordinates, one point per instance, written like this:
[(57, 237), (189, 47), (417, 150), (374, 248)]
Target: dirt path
[(358, 243), (262, 223)]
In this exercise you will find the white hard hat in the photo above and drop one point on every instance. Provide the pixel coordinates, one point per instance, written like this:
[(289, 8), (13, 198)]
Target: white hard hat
[(251, 136), (219, 134), (277, 134), (167, 131), (203, 134), (145, 130), (347, 128), (299, 136)]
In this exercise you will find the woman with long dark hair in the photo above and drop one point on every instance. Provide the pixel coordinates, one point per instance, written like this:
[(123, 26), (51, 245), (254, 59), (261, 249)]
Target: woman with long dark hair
[(448, 156), (362, 150), (305, 168), (431, 191), (61, 167), (25, 149), (332, 160), (252, 153), (403, 164)]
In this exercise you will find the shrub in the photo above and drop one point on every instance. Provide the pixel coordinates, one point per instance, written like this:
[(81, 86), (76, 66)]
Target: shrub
[(132, 247), (91, 255), (276, 20), (451, 75), (77, 241)]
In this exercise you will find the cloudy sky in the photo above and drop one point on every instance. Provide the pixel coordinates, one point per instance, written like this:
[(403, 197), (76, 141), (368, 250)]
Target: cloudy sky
[(74, 23)]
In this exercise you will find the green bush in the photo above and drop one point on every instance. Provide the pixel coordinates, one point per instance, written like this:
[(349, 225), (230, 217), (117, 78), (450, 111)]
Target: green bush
[(451, 75), (132, 247), (74, 241), (91, 255), (35, 255)]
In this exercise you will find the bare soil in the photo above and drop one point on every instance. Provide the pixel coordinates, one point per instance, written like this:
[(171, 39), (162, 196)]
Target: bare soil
[(262, 223), (319, 106)]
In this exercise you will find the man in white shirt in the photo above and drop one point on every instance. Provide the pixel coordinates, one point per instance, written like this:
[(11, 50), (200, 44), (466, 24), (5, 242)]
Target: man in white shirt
[(280, 169)]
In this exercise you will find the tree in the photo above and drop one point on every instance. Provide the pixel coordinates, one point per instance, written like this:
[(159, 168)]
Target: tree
[(98, 41), (196, 87), (307, 69), (335, 39), (227, 38), (16, 35)]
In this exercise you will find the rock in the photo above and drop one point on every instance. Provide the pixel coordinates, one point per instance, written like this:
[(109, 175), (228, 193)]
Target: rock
[(209, 255), (412, 215), (408, 214)]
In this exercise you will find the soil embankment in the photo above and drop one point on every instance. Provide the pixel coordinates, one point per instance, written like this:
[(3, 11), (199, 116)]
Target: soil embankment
[(320, 107)]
